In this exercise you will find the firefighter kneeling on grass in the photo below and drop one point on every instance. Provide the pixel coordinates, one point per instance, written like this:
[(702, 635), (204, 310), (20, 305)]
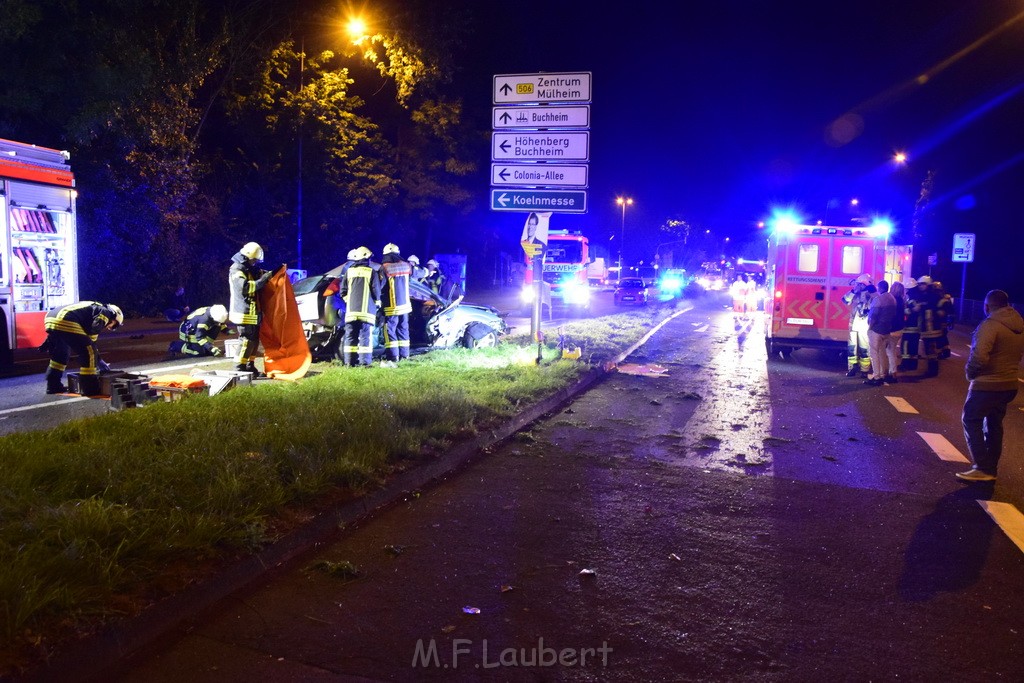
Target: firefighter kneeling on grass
[(360, 290), (198, 332), (76, 328), (395, 273), (859, 299)]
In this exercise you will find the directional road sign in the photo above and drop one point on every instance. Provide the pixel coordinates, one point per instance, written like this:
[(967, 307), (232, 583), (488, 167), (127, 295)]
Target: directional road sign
[(542, 116), (530, 145), (540, 175), (558, 201), (963, 247), (543, 87)]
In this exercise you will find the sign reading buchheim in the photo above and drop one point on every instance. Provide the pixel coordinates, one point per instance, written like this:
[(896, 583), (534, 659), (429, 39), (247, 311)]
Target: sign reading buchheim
[(542, 88)]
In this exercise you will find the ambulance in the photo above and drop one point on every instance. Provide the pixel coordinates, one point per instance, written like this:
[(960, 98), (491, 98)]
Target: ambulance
[(808, 271)]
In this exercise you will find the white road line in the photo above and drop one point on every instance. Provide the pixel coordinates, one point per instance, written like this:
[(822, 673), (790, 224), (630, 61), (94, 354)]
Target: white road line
[(62, 402), (1008, 518), (954, 353), (702, 328), (942, 447), (901, 404)]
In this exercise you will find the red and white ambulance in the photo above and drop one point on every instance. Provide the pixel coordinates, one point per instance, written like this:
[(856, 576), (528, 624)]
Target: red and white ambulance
[(809, 269)]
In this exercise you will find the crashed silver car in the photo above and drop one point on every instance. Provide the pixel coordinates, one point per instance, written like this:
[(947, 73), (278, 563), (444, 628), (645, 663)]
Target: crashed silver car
[(435, 322)]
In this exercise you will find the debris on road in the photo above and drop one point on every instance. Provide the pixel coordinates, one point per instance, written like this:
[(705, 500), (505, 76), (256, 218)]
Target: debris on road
[(471, 610)]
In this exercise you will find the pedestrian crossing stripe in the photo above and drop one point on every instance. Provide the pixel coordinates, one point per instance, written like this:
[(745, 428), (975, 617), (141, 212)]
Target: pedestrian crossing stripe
[(942, 447), (901, 404), (1008, 518)]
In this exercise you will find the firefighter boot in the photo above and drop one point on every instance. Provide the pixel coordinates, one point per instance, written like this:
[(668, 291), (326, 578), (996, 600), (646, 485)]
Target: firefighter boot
[(53, 383)]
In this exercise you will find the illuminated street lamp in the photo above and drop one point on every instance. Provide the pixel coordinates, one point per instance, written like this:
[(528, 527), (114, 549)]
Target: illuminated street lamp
[(623, 202)]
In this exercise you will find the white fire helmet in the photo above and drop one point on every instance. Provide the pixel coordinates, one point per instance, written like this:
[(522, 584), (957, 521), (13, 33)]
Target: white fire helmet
[(118, 314), (361, 253), (351, 255), (864, 279), (252, 251), (219, 313), (432, 263), (924, 280), (391, 248), (414, 259), (911, 283)]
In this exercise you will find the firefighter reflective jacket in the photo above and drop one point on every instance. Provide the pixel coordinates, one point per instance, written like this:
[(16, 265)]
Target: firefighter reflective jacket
[(86, 318), (395, 286), (244, 280), (360, 289), (200, 328)]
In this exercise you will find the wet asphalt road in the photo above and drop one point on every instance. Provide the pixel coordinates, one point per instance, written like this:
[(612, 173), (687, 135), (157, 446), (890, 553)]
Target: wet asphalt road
[(743, 520)]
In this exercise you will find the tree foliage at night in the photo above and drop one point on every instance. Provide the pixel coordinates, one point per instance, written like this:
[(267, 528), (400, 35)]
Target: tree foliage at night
[(185, 120)]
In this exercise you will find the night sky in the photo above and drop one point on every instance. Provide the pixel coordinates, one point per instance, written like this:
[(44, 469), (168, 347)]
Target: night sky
[(714, 112)]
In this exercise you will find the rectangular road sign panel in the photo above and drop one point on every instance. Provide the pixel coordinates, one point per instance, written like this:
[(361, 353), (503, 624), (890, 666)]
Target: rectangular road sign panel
[(542, 87), (963, 247), (530, 145), (558, 201), (540, 175), (542, 116)]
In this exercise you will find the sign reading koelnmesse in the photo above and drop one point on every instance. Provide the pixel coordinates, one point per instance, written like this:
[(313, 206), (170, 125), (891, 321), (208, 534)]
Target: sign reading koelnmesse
[(541, 142)]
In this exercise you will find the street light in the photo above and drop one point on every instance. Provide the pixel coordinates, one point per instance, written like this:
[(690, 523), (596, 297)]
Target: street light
[(623, 202)]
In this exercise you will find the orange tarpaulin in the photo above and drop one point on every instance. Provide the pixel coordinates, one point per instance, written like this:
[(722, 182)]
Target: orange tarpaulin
[(285, 349)]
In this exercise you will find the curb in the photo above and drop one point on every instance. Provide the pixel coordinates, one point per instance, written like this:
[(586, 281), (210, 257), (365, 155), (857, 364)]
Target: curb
[(99, 656)]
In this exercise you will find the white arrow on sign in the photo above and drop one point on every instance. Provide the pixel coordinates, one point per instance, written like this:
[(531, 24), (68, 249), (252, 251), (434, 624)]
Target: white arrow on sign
[(537, 116), (539, 175), (541, 146)]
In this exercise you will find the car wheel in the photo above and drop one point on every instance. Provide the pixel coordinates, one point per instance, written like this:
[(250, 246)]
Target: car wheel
[(479, 335)]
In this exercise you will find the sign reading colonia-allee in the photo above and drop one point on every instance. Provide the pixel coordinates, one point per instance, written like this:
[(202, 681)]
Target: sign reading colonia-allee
[(540, 175)]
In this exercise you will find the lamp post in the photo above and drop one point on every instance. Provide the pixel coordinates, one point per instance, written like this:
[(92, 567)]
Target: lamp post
[(623, 202)]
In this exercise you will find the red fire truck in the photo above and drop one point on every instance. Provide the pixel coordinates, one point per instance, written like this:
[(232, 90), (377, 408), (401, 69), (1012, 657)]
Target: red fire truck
[(565, 270), (38, 261), (808, 271)]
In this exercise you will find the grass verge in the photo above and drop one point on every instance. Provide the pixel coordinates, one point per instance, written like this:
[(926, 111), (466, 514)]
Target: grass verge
[(100, 517)]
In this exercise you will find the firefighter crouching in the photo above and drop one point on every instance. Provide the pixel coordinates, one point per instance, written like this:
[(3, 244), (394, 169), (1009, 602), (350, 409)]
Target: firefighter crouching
[(198, 332), (76, 328), (361, 291), (395, 273), (245, 280)]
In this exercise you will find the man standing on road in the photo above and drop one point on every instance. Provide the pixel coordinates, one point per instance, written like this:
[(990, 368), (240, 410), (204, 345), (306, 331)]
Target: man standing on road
[(881, 313), (996, 351)]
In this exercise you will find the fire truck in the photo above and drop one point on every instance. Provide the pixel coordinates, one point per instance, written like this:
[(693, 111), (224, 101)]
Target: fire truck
[(38, 262), (809, 270), (565, 271)]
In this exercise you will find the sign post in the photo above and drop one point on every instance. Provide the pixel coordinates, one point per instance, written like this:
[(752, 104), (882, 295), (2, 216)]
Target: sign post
[(541, 146), (963, 251)]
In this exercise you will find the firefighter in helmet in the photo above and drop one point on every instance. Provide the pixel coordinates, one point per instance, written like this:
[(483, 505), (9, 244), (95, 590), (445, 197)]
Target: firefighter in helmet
[(859, 299), (395, 296), (434, 278), (76, 327), (245, 279), (360, 290), (198, 332)]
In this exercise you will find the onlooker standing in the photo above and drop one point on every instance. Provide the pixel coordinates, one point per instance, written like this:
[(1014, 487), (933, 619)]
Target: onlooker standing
[(996, 351), (881, 313), (893, 343)]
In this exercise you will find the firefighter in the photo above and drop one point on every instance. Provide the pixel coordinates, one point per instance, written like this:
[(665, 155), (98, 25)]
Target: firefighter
[(76, 327), (927, 303), (943, 319), (435, 279), (397, 306), (245, 280), (859, 299), (360, 290), (418, 271), (198, 332)]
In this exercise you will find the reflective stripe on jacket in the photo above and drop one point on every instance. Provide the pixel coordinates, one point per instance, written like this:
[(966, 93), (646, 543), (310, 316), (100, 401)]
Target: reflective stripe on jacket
[(86, 318)]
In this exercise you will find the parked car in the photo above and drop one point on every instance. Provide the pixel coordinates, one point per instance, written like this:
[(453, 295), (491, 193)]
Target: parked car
[(631, 290), (435, 322)]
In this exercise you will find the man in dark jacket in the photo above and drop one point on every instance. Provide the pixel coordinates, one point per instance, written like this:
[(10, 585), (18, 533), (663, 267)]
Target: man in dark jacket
[(198, 332), (996, 351), (360, 290), (395, 273), (76, 327)]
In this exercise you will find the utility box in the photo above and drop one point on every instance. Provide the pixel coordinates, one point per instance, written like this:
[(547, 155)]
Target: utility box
[(38, 248)]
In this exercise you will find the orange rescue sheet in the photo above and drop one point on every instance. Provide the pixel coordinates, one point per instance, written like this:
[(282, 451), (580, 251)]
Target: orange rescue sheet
[(285, 349)]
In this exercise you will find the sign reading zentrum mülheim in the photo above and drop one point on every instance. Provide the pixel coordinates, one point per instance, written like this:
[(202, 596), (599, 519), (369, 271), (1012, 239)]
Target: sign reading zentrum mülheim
[(542, 142)]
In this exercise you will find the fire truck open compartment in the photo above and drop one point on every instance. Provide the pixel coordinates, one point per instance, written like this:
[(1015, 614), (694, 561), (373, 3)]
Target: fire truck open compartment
[(38, 258)]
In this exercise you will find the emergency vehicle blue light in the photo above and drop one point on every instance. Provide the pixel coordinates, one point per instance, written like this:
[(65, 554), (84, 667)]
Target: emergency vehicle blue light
[(784, 222), (880, 227)]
